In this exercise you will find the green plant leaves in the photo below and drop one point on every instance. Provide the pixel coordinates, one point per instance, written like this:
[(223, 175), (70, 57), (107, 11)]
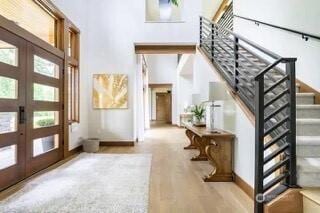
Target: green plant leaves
[(175, 2), (198, 111)]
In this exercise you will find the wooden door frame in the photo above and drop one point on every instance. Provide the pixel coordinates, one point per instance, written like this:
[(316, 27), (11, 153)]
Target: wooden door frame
[(63, 26), (16, 172), (37, 163)]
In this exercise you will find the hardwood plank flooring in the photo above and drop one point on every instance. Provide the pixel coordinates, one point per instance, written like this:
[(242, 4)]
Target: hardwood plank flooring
[(176, 182)]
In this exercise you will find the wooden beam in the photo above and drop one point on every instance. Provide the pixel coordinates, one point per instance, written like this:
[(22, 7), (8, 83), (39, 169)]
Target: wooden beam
[(165, 48), (160, 86)]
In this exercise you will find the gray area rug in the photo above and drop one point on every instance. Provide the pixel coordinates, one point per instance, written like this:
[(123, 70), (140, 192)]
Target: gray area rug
[(90, 183)]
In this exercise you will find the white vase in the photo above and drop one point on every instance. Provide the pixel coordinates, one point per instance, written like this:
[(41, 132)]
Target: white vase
[(165, 10)]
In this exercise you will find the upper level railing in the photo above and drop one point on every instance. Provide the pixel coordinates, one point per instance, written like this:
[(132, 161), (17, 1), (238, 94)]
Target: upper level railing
[(257, 76), (304, 35), (226, 20)]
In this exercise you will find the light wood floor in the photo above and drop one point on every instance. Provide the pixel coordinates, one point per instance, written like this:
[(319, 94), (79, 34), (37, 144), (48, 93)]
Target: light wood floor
[(176, 184)]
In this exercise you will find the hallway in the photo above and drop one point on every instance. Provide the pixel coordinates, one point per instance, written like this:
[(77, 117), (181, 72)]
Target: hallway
[(176, 185)]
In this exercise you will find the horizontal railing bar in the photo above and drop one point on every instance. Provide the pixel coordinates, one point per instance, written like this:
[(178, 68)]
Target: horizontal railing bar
[(275, 153), (275, 181), (231, 54), (276, 84), (250, 72), (275, 167), (262, 49), (276, 139), (261, 74), (276, 98), (267, 132), (271, 115), (246, 101), (281, 28)]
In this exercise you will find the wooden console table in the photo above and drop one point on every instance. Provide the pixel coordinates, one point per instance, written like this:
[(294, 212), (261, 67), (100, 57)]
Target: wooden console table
[(217, 147)]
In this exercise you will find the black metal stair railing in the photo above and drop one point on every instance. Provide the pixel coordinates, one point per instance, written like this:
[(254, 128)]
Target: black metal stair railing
[(265, 82)]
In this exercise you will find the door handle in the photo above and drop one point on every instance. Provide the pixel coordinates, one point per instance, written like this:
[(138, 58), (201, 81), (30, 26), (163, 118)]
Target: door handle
[(22, 115)]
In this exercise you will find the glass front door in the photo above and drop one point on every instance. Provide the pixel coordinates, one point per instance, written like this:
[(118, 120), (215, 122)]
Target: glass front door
[(31, 113)]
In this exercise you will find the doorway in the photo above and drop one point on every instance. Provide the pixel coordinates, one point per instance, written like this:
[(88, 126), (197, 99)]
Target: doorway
[(163, 107), (31, 109)]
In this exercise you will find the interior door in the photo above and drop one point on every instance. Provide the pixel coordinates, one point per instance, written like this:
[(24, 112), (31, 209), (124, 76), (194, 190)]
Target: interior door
[(12, 111), (44, 141), (163, 107)]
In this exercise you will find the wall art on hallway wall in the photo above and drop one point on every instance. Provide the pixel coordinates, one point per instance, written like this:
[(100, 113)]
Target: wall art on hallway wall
[(110, 91)]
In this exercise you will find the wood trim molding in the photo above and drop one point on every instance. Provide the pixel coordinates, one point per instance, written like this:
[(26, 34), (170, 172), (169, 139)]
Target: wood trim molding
[(165, 48), (116, 143), (306, 88), (237, 99), (223, 7), (50, 6), (243, 185), (19, 31), (152, 86), (288, 202), (74, 151)]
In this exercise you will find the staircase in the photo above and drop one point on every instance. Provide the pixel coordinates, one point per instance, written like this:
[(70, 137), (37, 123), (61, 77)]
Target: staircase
[(287, 122), (308, 140)]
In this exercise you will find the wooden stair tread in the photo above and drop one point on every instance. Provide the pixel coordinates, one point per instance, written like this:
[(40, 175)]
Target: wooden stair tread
[(312, 193)]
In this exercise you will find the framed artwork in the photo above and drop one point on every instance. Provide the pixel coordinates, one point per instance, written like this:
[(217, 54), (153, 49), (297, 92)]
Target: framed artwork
[(110, 91), (164, 10)]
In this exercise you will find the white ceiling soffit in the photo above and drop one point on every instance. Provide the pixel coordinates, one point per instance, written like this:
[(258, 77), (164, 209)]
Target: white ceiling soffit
[(185, 66)]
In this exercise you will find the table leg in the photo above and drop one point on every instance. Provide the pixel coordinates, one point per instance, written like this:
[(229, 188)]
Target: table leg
[(219, 156), (201, 144), (190, 135)]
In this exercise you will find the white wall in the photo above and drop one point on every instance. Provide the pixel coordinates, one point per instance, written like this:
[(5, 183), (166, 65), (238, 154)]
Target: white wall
[(163, 70), (112, 28), (75, 9), (229, 117), (202, 75), (294, 14), (184, 83), (210, 7)]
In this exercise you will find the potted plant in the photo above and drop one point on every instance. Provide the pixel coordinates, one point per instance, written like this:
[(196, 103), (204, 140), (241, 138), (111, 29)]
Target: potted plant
[(199, 114)]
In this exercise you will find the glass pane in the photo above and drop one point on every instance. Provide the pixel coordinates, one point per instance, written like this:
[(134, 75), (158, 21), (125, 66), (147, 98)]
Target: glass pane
[(8, 156), (45, 67), (45, 93), (45, 119), (25, 12), (44, 145), (8, 122), (8, 54), (8, 88)]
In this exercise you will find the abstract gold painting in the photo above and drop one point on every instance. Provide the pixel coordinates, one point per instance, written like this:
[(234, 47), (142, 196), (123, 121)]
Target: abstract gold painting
[(110, 91)]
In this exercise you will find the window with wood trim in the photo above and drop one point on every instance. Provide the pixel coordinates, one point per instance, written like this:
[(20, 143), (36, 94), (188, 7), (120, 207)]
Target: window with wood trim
[(73, 90), (30, 15), (73, 77)]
